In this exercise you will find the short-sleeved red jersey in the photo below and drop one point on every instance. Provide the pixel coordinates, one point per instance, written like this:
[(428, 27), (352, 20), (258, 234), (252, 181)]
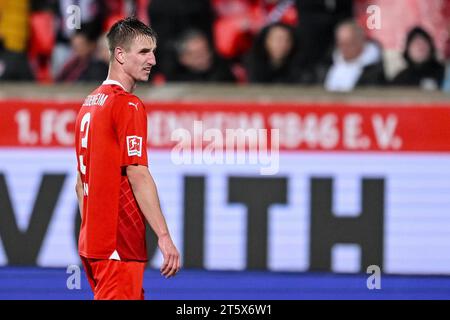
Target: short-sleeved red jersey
[(111, 133)]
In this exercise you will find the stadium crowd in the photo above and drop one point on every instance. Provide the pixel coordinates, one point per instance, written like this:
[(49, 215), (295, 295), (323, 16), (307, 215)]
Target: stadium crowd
[(308, 42)]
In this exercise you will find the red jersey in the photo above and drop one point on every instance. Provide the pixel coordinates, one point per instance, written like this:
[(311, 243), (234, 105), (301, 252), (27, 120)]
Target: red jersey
[(111, 133)]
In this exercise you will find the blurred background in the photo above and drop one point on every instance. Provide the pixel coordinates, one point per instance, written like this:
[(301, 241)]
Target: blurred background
[(358, 89)]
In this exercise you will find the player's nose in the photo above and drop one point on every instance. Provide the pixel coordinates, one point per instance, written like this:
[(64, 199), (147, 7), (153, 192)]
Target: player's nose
[(152, 59)]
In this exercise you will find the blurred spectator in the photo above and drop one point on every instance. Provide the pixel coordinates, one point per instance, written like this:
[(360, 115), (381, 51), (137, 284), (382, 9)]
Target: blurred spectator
[(92, 13), (238, 21), (97, 69), (196, 61), (271, 58), (170, 18), (356, 61), (397, 18), (80, 66), (446, 83), (422, 69), (14, 66), (317, 23)]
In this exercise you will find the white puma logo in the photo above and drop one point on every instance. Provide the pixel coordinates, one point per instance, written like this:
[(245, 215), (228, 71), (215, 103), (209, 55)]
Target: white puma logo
[(133, 104)]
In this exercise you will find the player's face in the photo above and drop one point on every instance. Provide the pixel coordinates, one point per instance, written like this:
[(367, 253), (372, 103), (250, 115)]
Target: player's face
[(140, 58)]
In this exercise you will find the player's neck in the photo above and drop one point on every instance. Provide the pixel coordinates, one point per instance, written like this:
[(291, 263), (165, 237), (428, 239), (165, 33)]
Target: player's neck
[(128, 83)]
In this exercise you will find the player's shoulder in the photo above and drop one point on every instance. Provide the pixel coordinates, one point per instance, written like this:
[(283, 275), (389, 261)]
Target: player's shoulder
[(122, 94), (127, 98), (126, 101)]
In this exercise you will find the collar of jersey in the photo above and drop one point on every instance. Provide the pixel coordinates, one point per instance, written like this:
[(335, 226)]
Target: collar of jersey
[(109, 82)]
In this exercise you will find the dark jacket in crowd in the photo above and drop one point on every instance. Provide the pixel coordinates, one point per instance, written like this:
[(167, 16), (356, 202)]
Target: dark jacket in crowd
[(316, 27), (96, 71), (415, 74), (372, 75), (343, 75), (83, 70), (260, 69), (219, 72), (170, 18), (14, 66)]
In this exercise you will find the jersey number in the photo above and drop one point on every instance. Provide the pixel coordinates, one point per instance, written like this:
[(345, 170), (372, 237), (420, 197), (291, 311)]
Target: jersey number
[(84, 129)]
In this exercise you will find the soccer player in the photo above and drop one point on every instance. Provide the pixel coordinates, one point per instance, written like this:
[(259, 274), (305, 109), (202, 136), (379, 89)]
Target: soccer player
[(116, 192)]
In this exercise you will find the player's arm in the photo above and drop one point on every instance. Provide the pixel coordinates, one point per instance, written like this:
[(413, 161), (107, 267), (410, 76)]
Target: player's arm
[(144, 190), (79, 191)]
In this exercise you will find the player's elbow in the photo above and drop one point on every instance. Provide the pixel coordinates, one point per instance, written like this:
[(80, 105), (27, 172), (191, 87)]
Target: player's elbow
[(79, 189), (138, 176), (79, 186)]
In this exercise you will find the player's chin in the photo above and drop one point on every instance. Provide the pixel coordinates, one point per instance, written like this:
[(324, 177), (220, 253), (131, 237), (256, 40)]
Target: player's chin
[(145, 76)]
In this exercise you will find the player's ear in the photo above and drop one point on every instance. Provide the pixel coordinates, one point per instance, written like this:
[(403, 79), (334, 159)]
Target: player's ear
[(119, 55)]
